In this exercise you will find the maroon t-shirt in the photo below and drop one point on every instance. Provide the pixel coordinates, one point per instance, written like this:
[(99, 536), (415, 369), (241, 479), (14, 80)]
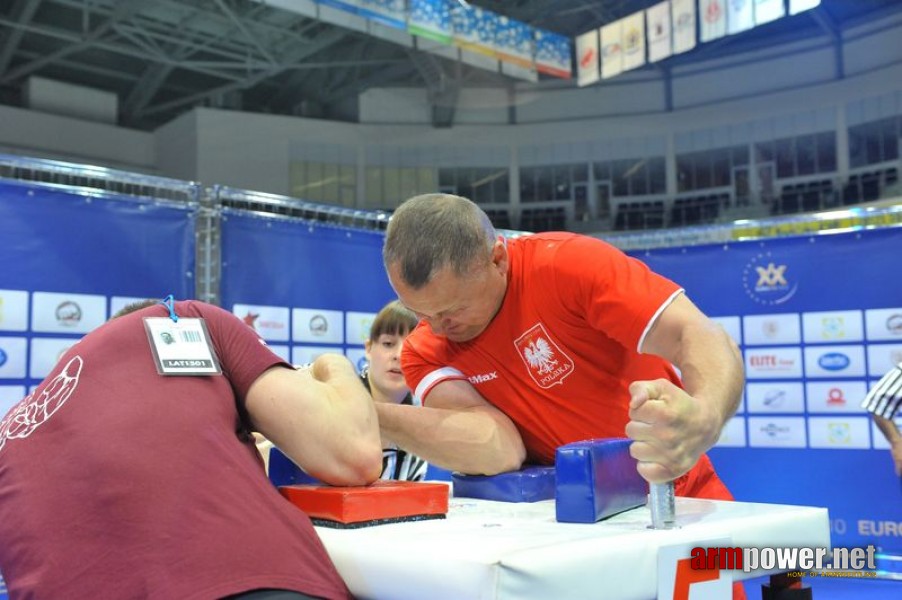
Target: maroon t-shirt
[(116, 482)]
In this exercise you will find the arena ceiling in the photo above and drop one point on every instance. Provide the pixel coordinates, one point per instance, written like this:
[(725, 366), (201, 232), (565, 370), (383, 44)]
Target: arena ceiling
[(164, 57)]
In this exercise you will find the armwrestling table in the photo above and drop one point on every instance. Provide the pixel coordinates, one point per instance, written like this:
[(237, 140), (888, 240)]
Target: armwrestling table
[(517, 551)]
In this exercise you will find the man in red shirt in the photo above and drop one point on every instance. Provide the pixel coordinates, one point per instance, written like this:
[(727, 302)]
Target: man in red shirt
[(119, 482), (534, 342)]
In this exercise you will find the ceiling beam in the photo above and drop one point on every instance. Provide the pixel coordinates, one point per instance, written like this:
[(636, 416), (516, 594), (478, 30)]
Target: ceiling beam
[(22, 12)]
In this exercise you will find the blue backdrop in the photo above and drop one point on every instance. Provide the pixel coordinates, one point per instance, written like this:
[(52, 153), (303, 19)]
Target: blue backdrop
[(816, 316)]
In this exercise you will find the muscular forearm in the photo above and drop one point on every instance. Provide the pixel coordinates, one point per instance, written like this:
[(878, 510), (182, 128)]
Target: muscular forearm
[(712, 370), (469, 441)]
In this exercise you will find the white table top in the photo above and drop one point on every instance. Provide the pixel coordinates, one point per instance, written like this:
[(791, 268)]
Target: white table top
[(506, 551)]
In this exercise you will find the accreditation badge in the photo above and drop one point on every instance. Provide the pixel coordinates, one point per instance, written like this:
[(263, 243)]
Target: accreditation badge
[(181, 347)]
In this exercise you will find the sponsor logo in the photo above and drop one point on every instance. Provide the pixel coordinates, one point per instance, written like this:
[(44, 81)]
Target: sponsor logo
[(610, 50), (68, 313), (770, 328), (633, 39), (770, 362), (833, 328), (774, 398), (546, 362), (839, 433), (835, 397), (319, 325), (250, 319), (894, 324), (776, 432), (799, 562), (895, 356), (684, 20), (3, 357), (167, 338), (713, 12), (483, 378), (833, 361), (588, 58), (766, 281)]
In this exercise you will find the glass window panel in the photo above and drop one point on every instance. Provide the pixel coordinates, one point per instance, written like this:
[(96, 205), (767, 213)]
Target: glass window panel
[(702, 170), (482, 186), (638, 179), (619, 176), (562, 182), (447, 178), (501, 185), (426, 181), (329, 188), (528, 192), (373, 192), (785, 152), (873, 145), (721, 168), (805, 154), (685, 179), (602, 171), (391, 186), (296, 177), (764, 152), (657, 176), (857, 154), (826, 152), (309, 191), (580, 172), (740, 155), (890, 142), (544, 184)]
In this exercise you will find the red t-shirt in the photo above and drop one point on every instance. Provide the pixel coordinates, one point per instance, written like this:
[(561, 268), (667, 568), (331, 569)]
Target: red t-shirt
[(559, 356), (116, 482)]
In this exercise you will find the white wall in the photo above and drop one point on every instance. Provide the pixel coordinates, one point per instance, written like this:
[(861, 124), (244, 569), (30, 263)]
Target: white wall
[(42, 135)]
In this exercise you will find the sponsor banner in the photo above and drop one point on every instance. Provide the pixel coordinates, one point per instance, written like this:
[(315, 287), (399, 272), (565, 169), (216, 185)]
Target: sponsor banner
[(611, 50), (12, 357), (317, 326), (431, 19), (304, 355), (882, 358), (773, 363), (357, 327), (388, 12), (834, 361), (839, 432), (357, 356), (835, 396), (733, 434), (270, 322), (632, 40), (879, 440), (775, 397), (733, 327), (514, 42), (474, 29), (833, 326), (682, 18), (763, 330), (13, 310), (45, 353), (10, 395), (777, 432), (553, 54), (768, 10), (283, 352), (587, 65), (883, 324), (658, 30), (740, 15), (797, 6), (712, 19), (67, 313)]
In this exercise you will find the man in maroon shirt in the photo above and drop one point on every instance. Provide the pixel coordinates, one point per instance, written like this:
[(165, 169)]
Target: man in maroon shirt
[(117, 481)]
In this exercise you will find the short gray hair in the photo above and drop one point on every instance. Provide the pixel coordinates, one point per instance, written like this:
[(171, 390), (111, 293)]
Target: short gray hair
[(430, 232)]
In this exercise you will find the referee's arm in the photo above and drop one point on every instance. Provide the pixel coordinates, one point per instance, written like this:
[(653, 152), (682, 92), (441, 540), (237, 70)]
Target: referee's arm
[(883, 401)]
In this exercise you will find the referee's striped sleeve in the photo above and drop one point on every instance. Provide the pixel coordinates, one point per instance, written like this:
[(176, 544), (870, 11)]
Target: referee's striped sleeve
[(885, 397)]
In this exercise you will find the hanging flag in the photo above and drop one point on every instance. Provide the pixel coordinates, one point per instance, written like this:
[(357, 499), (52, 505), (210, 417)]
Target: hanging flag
[(431, 19), (713, 19), (514, 42), (768, 10), (657, 25), (682, 16), (587, 58), (553, 54), (632, 38), (740, 15), (611, 50), (797, 6)]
